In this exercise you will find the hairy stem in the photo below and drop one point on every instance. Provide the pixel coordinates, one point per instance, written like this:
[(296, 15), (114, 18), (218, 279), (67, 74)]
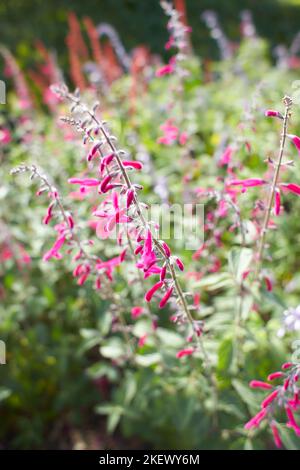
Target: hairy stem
[(288, 104)]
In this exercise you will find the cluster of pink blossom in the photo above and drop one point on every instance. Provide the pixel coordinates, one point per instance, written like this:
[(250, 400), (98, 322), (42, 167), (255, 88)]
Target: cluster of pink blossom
[(281, 397), (119, 215)]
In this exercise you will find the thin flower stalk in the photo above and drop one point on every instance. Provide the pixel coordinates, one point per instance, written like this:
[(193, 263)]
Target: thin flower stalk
[(288, 104), (69, 234)]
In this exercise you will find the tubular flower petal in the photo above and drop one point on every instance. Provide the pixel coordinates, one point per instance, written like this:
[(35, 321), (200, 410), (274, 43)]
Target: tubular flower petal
[(152, 291), (259, 384), (166, 297), (248, 182), (185, 352), (84, 181), (291, 187)]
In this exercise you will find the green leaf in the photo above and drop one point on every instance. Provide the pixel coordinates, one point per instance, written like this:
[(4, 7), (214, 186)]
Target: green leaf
[(113, 349), (246, 394), (148, 360), (99, 369), (225, 356), (239, 260), (4, 393), (288, 438)]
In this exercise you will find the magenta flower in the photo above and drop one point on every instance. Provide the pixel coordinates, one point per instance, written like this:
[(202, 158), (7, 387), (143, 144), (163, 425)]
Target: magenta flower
[(296, 141), (276, 435), (152, 291), (266, 402), (93, 151), (256, 420), (247, 183), (272, 113), (54, 251), (167, 69), (226, 156), (291, 187), (170, 131), (166, 297), (179, 264), (5, 136), (185, 352), (275, 375), (166, 249), (277, 204), (110, 215), (292, 422), (259, 384), (137, 311), (84, 181), (129, 198), (133, 164)]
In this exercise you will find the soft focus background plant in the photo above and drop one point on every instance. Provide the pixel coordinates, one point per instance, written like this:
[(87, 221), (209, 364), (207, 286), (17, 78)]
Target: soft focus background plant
[(63, 361)]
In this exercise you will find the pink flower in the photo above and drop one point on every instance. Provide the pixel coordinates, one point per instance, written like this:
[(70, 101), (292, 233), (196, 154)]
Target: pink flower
[(266, 402), (48, 216), (292, 187), (142, 341), (226, 156), (268, 283), (296, 141), (93, 151), (137, 312), (170, 131), (272, 113), (133, 164), (152, 291), (183, 138), (106, 161), (166, 249), (259, 384), (84, 181), (129, 198), (286, 365), (167, 69), (275, 375), (292, 422), (256, 420), (166, 297), (170, 43), (179, 264), (110, 217), (248, 182), (163, 273), (277, 202), (5, 136), (276, 435), (185, 352), (53, 252), (104, 183)]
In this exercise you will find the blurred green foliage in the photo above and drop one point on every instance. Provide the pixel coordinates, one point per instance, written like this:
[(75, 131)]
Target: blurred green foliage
[(139, 22)]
